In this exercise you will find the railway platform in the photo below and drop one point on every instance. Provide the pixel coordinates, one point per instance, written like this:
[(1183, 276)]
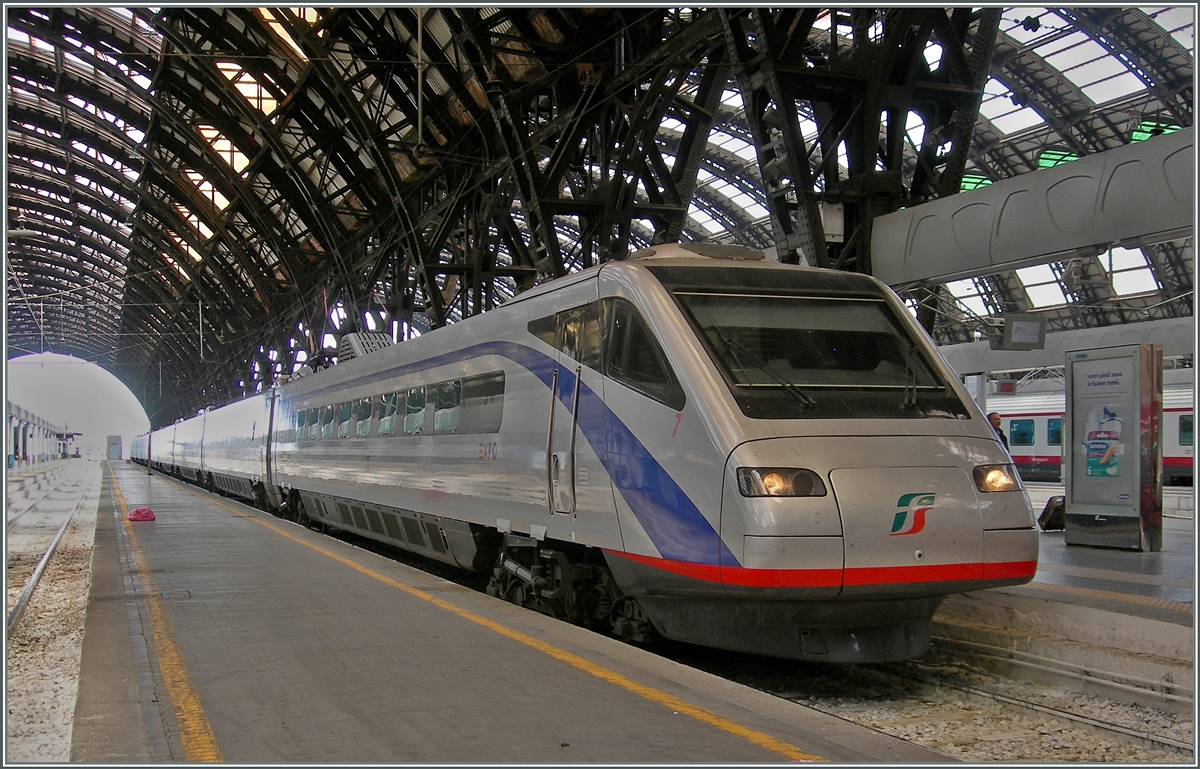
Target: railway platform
[(1118, 622), (218, 632)]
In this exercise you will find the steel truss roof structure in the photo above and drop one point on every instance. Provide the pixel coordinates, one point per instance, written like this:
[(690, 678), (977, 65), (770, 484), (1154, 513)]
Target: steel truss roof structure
[(204, 199)]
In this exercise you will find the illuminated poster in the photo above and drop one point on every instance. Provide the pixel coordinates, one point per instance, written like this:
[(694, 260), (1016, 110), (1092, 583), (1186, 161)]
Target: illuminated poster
[(1105, 430)]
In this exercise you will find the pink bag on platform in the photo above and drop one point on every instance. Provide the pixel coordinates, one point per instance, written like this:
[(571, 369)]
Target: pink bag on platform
[(141, 514)]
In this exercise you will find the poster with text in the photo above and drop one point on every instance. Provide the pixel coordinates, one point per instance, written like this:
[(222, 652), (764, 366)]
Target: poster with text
[(1104, 426)]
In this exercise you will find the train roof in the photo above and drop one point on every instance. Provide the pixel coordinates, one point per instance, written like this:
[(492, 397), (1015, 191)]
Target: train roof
[(700, 254), (1177, 394)]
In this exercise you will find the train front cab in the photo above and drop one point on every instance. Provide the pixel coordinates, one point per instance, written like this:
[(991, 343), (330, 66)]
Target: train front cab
[(901, 494)]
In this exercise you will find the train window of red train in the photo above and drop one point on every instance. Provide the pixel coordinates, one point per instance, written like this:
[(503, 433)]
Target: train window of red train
[(1020, 432), (1185, 430), (1054, 432)]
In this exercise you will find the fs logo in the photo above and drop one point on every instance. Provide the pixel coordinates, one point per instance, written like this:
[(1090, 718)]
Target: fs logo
[(917, 504)]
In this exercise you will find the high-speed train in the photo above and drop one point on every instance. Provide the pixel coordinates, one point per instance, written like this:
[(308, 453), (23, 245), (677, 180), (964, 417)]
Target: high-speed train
[(692, 441), (1033, 423)]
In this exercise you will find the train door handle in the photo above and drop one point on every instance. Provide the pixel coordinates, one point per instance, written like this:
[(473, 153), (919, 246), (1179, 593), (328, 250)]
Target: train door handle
[(554, 467)]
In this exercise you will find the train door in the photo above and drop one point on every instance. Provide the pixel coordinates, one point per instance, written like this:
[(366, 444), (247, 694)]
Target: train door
[(577, 337)]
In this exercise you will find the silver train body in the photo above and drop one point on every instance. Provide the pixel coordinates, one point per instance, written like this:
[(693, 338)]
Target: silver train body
[(729, 452)]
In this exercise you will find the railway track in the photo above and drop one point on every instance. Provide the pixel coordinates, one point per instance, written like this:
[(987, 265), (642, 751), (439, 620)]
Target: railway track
[(34, 531), (947, 702)]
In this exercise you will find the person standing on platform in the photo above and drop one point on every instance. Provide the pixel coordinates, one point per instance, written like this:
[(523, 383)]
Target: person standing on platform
[(994, 418)]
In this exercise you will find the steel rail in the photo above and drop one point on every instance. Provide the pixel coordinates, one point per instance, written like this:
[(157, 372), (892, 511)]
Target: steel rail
[(1056, 712), (14, 617)]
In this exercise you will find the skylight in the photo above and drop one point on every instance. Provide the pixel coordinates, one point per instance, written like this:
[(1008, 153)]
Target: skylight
[(207, 189), (711, 225), (197, 224), (1005, 114), (1129, 271), (967, 293), (248, 87), (185, 247), (1177, 21), (309, 15), (1041, 286), (224, 147), (1101, 76)]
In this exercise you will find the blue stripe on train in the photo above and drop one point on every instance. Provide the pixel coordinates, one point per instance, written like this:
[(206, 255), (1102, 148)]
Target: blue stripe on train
[(673, 522)]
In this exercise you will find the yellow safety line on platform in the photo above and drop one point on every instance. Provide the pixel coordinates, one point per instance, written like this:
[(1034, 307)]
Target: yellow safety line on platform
[(1143, 600), (753, 736), (199, 743)]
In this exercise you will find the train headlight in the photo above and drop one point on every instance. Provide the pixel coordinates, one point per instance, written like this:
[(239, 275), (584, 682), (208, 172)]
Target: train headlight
[(997, 478), (779, 482)]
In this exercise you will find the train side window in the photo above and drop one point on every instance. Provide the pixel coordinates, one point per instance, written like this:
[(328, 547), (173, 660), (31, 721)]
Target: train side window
[(575, 332), (545, 329), (632, 355), (387, 413), (482, 403), (414, 411), (579, 331), (314, 426), (445, 407), (1054, 432), (300, 424), (1020, 432), (1185, 430), (327, 422), (363, 416), (345, 411)]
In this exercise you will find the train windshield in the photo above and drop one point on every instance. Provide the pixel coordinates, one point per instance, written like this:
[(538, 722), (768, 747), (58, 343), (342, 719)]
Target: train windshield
[(813, 354)]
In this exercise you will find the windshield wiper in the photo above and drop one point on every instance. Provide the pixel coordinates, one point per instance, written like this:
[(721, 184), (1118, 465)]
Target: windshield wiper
[(760, 364)]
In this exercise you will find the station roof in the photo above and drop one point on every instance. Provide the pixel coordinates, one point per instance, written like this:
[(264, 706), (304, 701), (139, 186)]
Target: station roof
[(207, 198)]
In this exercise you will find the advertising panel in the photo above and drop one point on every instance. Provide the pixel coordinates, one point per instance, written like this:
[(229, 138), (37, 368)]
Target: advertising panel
[(1114, 467), (1106, 418)]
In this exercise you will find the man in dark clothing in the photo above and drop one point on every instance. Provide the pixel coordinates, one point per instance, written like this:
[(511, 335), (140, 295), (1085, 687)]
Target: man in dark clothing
[(994, 418)]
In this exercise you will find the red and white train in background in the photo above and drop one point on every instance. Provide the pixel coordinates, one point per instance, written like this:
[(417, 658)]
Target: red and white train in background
[(1033, 424)]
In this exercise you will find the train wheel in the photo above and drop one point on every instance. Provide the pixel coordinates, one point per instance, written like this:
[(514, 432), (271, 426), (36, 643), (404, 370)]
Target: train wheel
[(260, 497), (629, 621)]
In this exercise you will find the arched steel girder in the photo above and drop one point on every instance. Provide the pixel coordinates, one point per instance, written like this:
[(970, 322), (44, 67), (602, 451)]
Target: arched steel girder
[(862, 76), (1059, 101), (317, 216), (1129, 34)]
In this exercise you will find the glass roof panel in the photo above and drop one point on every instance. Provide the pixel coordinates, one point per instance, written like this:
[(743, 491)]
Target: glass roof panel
[(1041, 286), (1015, 119), (966, 293), (1134, 282), (1114, 88), (671, 124), (1068, 50), (705, 221), (1177, 21), (1119, 258)]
